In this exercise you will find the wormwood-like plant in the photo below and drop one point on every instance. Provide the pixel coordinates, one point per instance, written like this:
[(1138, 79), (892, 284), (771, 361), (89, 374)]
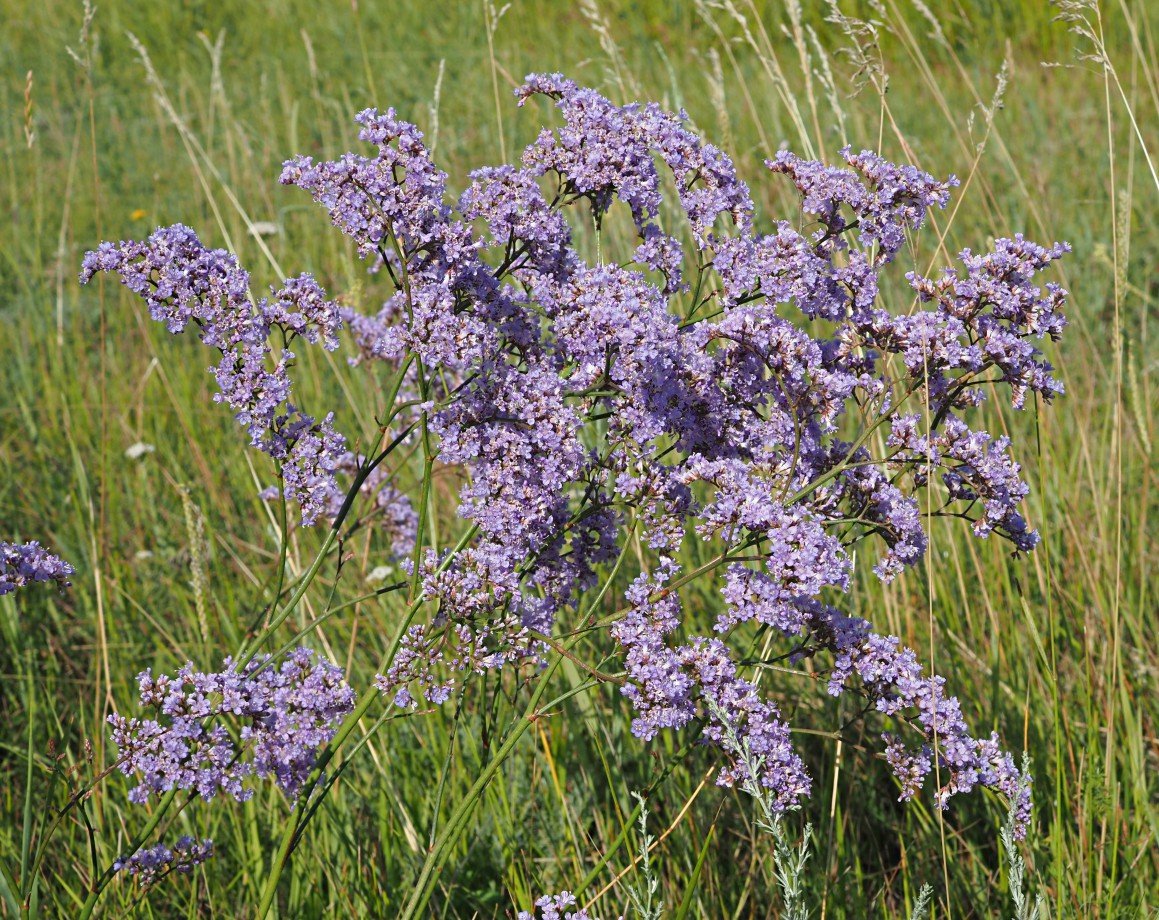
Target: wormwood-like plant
[(1024, 908), (644, 893), (749, 390)]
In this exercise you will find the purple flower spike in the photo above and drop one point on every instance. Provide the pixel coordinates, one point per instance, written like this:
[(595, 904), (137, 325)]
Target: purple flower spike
[(30, 563), (150, 865), (286, 714), (183, 283)]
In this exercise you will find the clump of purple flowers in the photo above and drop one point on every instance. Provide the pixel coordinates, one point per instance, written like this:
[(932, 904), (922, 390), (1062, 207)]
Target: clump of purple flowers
[(150, 865), (30, 563), (184, 283), (282, 714), (758, 397), (560, 906)]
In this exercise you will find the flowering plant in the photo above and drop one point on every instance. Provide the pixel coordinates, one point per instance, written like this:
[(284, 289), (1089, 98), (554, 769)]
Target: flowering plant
[(716, 384)]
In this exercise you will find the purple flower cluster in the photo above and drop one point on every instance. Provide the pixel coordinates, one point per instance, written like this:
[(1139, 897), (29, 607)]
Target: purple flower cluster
[(893, 680), (669, 685), (506, 419), (184, 282), (481, 622), (606, 152), (395, 195), (1000, 310), (150, 865), (30, 563), (759, 398), (283, 714), (886, 198), (584, 394), (560, 906)]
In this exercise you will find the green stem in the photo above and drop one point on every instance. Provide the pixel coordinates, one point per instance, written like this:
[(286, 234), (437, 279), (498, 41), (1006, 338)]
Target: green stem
[(101, 883), (27, 879), (285, 541), (291, 832), (437, 856), (246, 654), (420, 531)]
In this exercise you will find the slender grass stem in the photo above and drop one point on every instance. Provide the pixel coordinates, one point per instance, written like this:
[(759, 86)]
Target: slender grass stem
[(96, 889), (293, 827)]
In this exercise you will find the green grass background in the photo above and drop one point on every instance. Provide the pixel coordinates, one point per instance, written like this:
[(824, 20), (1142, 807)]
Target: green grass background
[(1059, 653)]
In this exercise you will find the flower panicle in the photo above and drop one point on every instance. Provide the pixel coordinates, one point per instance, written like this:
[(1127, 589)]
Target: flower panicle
[(685, 387), (23, 564)]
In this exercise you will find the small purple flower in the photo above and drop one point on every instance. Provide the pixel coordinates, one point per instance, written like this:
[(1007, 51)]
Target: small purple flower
[(148, 866), (1004, 310), (285, 713), (366, 198), (30, 563), (562, 906), (523, 229), (300, 308)]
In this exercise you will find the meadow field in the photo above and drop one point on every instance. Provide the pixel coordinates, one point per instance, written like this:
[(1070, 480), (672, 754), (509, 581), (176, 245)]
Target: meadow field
[(131, 115)]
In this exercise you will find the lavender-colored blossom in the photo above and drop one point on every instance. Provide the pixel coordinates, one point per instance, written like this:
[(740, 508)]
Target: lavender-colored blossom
[(397, 193), (519, 437), (669, 684), (415, 660), (871, 498), (570, 398), (799, 558), (562, 906), (439, 332), (885, 198), (481, 624), (605, 151), (479, 583), (311, 452), (375, 336), (524, 231), (609, 316), (596, 152), (781, 267), (300, 308), (895, 682), (30, 563), (617, 336), (183, 282), (1003, 309), (150, 865), (979, 470), (286, 713)]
